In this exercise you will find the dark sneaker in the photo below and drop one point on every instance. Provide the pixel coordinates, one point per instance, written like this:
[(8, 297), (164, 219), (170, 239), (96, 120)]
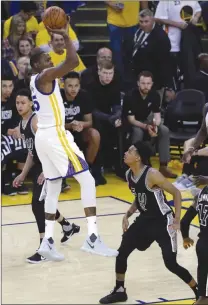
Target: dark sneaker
[(22, 190), (115, 296), (36, 259), (9, 190), (68, 233), (100, 180)]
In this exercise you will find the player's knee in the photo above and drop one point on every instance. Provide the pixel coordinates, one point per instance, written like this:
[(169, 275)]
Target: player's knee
[(88, 190)]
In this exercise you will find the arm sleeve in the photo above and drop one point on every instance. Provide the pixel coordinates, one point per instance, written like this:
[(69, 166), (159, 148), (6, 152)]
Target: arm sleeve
[(186, 221)]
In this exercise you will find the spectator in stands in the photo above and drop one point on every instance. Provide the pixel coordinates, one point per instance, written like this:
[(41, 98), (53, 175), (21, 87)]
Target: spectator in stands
[(123, 19), (58, 54), (9, 44), (152, 50), (139, 104), (105, 93), (169, 13), (200, 81), (27, 12), (22, 64), (78, 120), (24, 46), (43, 38), (10, 148), (90, 74)]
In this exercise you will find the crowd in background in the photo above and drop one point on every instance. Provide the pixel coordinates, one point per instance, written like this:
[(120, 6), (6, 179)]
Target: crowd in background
[(126, 96)]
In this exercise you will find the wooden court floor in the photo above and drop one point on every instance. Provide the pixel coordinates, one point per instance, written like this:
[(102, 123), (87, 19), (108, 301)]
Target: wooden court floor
[(83, 278)]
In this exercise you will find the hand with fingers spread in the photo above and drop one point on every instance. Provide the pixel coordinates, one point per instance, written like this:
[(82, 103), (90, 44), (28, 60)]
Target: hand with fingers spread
[(64, 32)]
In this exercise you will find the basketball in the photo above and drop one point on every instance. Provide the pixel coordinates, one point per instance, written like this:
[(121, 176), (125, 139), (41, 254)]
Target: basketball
[(54, 17)]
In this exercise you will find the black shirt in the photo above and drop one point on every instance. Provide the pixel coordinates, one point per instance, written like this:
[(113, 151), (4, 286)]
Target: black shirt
[(76, 109), (28, 135), (200, 83), (202, 209), (9, 116), (135, 105), (104, 97), (150, 203)]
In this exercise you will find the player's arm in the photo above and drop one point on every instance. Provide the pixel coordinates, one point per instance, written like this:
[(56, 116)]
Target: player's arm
[(70, 63), (87, 123), (27, 166), (34, 123), (131, 211), (185, 224), (155, 178)]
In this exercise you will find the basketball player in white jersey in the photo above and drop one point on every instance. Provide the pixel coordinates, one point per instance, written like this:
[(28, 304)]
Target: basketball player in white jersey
[(57, 151)]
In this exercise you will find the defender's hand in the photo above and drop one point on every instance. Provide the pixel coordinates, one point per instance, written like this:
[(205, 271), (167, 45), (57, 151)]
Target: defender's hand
[(125, 223), (187, 243)]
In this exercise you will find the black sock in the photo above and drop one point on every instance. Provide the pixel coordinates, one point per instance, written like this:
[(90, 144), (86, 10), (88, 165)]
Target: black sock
[(64, 222), (195, 290), (41, 239), (119, 284)]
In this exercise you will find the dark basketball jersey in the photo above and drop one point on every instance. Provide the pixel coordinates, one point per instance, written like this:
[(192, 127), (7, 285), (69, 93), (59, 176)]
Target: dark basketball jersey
[(202, 209), (28, 135), (151, 203)]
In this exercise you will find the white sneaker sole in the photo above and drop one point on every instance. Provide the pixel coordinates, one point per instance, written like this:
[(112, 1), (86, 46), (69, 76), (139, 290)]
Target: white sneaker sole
[(109, 254)]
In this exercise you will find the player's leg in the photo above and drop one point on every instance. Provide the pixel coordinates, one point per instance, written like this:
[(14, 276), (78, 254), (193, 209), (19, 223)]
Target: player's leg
[(202, 270), (136, 237), (93, 242), (167, 240)]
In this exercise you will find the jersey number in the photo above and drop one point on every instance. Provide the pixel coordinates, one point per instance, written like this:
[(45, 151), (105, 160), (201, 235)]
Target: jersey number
[(203, 214), (35, 102)]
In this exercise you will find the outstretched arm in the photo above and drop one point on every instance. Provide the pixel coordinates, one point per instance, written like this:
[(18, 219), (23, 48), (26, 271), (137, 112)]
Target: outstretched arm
[(71, 61)]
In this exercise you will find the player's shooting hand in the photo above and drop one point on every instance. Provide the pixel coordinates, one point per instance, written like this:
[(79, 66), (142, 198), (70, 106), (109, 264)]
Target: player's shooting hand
[(187, 243), (41, 179), (18, 180), (125, 223), (64, 31)]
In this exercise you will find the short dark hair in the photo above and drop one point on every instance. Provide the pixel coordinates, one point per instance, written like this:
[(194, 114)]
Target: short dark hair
[(35, 56), (28, 6), (72, 74), (24, 92), (106, 64), (7, 77), (144, 150), (145, 74)]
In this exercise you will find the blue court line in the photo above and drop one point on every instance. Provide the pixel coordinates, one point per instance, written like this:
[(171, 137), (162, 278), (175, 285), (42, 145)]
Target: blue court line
[(164, 300)]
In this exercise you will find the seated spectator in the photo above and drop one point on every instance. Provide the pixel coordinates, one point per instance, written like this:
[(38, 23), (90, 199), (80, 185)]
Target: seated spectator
[(139, 104), (105, 93), (58, 54), (200, 81), (78, 120), (24, 46), (90, 74), (169, 13), (12, 146), (43, 38), (9, 44), (152, 50), (22, 64), (27, 12)]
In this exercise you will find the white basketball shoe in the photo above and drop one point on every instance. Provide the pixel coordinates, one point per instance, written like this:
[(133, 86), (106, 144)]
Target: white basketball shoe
[(47, 249)]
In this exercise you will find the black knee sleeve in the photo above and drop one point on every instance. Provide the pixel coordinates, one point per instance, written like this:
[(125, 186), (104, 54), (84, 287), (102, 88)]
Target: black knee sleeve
[(38, 208)]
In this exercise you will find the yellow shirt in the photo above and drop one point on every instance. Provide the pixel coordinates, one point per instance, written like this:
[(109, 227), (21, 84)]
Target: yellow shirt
[(57, 59), (129, 16), (31, 25), (43, 38)]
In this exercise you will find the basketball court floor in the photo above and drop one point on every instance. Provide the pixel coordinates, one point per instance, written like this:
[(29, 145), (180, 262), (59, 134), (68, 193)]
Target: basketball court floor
[(83, 278)]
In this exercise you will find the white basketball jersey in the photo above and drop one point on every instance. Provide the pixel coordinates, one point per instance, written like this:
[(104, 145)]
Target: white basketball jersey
[(49, 107)]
